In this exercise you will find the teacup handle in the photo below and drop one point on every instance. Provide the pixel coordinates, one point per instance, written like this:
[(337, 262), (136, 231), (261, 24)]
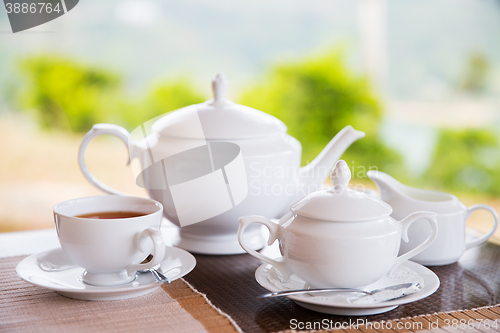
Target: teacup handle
[(405, 223), (274, 231), (158, 249), (96, 130), (485, 237)]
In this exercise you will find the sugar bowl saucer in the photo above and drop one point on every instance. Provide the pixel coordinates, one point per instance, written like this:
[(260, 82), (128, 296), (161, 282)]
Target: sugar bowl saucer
[(269, 278), (67, 280)]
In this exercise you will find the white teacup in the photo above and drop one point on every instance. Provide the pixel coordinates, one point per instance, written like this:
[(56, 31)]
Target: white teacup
[(110, 250)]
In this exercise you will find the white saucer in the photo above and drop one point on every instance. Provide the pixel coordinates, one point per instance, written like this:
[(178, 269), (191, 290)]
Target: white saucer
[(68, 282), (333, 305)]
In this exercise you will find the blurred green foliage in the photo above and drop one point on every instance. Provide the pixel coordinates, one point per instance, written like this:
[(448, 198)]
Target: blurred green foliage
[(475, 77), (65, 94), (466, 161), (161, 98), (70, 96), (316, 98)]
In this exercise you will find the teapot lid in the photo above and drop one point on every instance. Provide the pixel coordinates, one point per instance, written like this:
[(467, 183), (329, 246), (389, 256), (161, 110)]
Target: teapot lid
[(218, 118), (340, 203)]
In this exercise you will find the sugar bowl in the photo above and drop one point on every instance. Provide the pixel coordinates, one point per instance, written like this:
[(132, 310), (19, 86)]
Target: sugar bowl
[(339, 237)]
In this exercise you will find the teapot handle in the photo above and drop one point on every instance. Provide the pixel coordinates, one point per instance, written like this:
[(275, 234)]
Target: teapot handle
[(405, 223), (96, 130), (274, 231), (485, 237)]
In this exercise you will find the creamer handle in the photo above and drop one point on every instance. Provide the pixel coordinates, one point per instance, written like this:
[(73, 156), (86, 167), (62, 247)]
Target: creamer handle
[(485, 237)]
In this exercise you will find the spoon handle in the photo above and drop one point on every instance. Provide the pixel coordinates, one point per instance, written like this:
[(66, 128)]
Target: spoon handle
[(312, 291), (159, 276), (324, 290)]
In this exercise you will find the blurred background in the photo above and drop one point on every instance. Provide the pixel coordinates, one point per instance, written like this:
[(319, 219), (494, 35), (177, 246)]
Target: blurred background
[(421, 78)]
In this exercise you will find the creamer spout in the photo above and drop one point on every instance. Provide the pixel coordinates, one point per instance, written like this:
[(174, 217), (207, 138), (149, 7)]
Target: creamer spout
[(388, 187)]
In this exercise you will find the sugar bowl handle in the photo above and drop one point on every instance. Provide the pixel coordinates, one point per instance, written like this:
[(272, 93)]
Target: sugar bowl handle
[(405, 223), (274, 234)]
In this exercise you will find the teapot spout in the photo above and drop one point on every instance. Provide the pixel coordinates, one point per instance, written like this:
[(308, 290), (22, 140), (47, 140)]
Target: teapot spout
[(316, 172)]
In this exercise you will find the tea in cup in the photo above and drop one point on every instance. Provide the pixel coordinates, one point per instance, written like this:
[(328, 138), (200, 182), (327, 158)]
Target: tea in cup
[(452, 216), (109, 236)]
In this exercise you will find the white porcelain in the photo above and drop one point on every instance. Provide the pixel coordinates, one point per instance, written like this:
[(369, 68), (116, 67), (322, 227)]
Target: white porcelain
[(176, 263), (339, 237), (451, 242), (337, 304), (229, 161), (110, 250)]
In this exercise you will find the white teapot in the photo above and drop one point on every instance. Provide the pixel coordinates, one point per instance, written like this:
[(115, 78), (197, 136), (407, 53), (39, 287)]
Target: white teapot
[(339, 237), (210, 163)]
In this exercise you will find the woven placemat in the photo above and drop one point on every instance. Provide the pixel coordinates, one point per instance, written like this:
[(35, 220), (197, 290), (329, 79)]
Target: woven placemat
[(229, 283), (175, 307)]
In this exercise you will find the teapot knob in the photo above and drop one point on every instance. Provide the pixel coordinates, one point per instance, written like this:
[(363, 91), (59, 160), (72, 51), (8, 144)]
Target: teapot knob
[(219, 88), (341, 175)]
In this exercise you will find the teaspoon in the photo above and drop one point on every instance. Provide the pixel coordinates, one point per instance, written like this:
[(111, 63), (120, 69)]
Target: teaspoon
[(324, 290)]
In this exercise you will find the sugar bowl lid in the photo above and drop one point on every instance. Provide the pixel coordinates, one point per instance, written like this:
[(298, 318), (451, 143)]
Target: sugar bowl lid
[(218, 118), (340, 203)]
